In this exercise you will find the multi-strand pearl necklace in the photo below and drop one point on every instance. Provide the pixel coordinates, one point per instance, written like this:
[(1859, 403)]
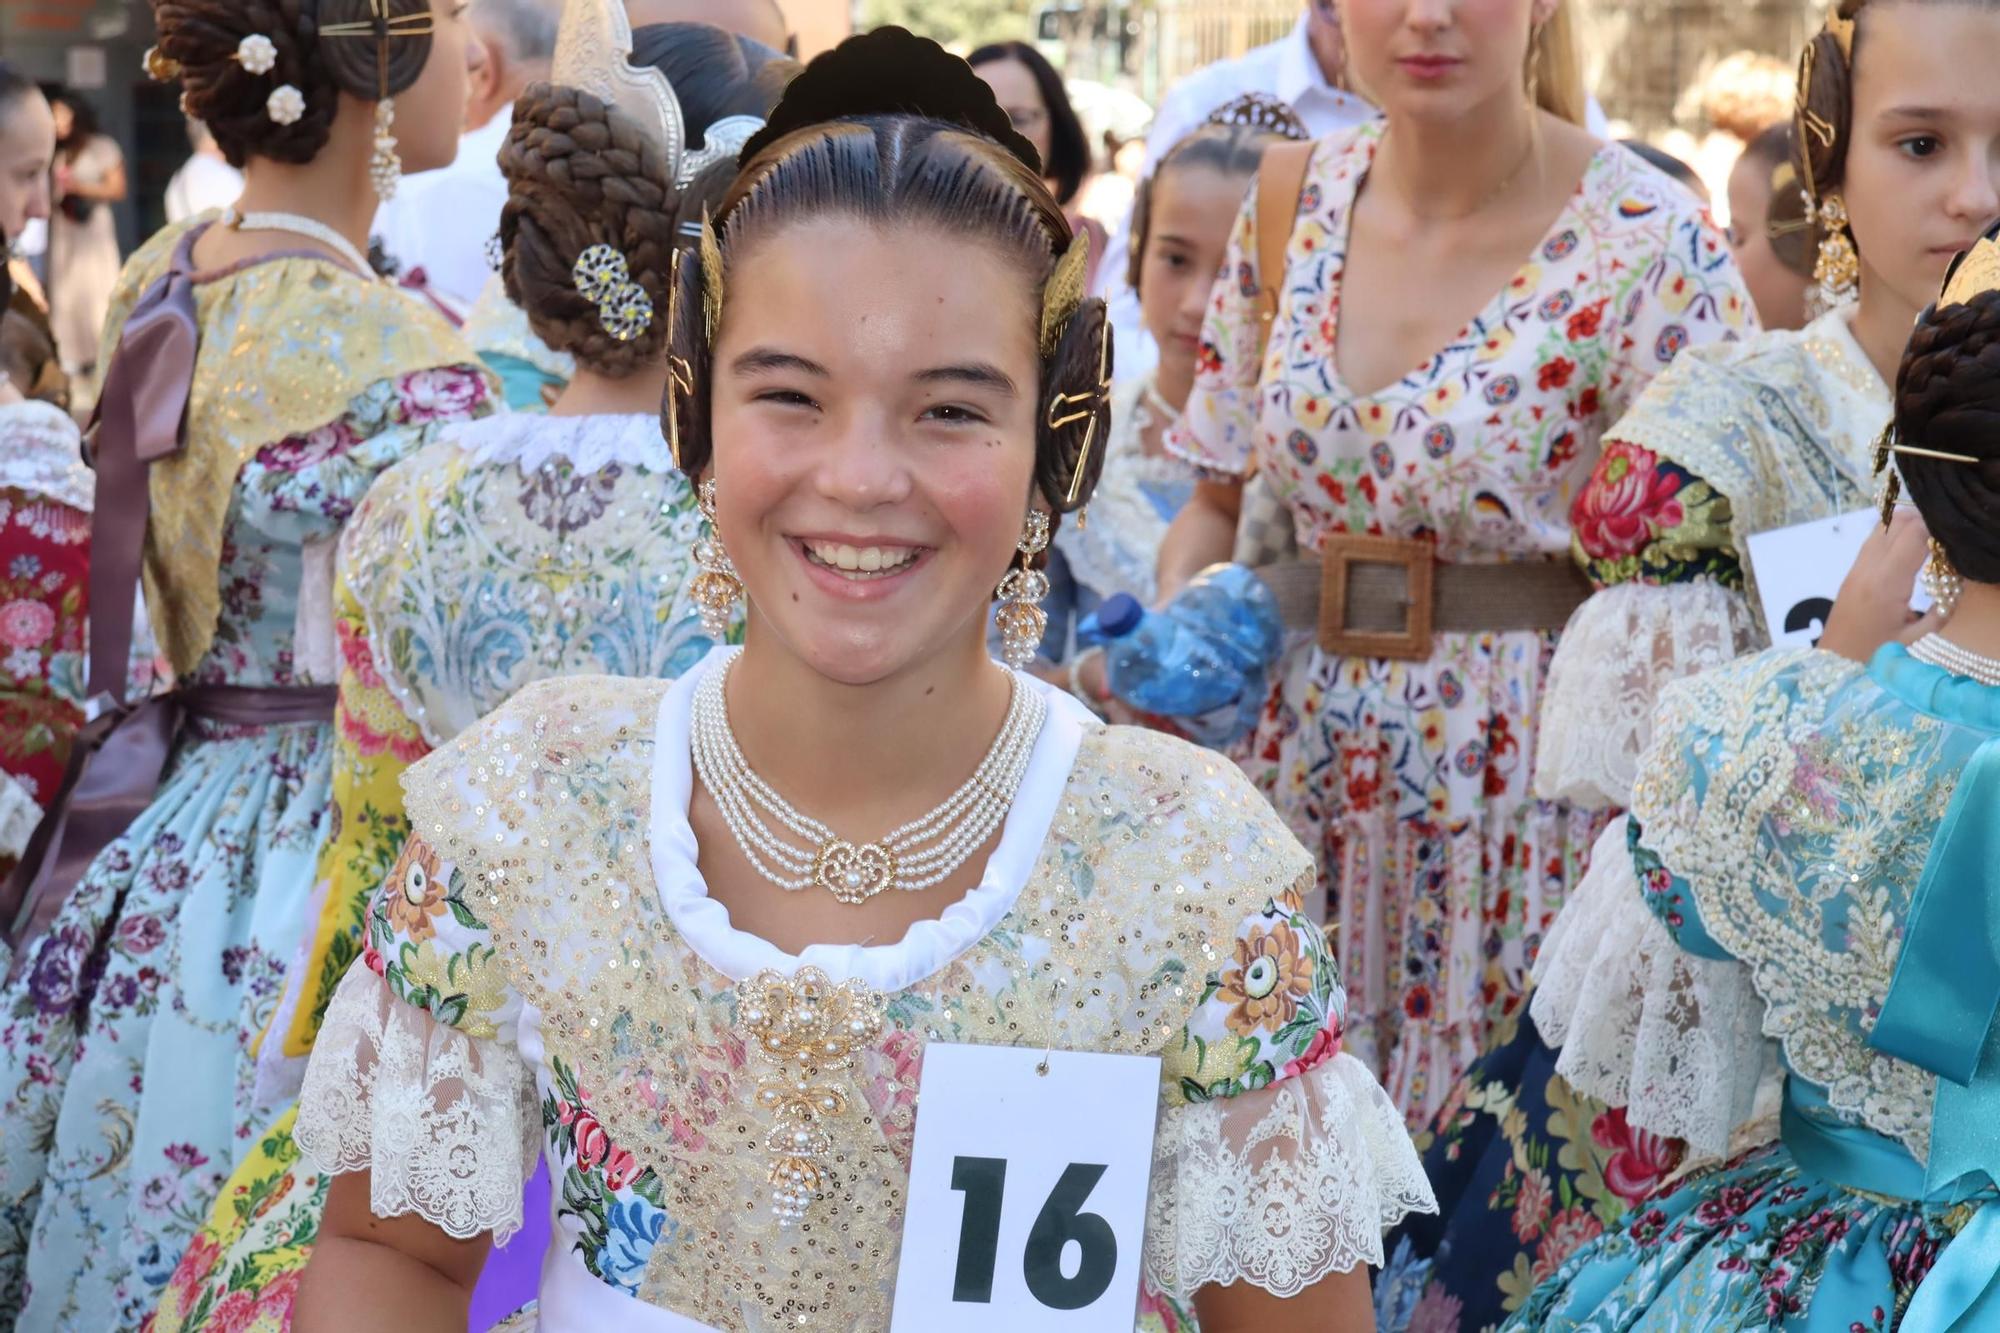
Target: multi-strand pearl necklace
[(917, 856), (1939, 651)]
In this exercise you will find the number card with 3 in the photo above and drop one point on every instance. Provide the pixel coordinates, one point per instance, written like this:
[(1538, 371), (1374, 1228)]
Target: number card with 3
[(1027, 1203)]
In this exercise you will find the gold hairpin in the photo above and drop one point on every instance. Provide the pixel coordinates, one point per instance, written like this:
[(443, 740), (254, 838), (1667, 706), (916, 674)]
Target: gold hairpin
[(680, 375), (711, 279), (1892, 484), (1086, 407), (1064, 293), (381, 25)]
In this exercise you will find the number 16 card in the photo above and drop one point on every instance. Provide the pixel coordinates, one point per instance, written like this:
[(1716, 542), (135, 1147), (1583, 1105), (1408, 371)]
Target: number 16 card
[(1027, 1204)]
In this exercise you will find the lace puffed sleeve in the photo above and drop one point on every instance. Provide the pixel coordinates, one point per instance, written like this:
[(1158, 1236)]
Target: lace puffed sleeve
[(1279, 1159), (1646, 1014), (1655, 539), (415, 1076)]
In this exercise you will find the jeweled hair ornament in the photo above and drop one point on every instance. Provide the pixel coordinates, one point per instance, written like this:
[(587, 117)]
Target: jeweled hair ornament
[(594, 53), (724, 139), (1260, 111), (605, 280)]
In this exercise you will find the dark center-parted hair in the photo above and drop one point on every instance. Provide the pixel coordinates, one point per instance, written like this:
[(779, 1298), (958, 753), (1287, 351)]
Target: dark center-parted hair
[(914, 175), (1069, 147), (201, 36), (1948, 401), (581, 173)]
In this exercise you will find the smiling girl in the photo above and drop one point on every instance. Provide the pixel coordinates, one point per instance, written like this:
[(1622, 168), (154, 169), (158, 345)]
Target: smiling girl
[(858, 808)]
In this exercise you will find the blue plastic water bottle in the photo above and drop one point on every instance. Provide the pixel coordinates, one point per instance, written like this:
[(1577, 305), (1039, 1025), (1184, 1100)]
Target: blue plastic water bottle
[(1203, 659)]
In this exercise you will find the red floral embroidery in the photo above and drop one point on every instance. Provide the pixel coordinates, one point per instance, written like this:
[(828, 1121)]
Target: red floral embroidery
[(1556, 374), (1639, 1160), (1628, 502)]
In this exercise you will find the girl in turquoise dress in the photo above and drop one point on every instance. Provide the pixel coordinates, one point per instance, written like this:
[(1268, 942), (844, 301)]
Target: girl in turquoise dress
[(1815, 838)]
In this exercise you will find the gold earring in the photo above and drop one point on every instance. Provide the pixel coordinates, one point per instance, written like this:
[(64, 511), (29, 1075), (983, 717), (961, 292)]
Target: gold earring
[(1941, 581), (1837, 271), (385, 166), (716, 589), (1020, 617)]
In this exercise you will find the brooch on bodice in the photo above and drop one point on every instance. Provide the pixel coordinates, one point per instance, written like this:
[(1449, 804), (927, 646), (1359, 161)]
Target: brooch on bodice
[(810, 1030)]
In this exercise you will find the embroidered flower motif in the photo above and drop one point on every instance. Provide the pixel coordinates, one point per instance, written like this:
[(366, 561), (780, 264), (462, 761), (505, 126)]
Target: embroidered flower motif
[(1272, 974), (563, 500), (22, 664), (1531, 1205), (414, 893), (1639, 1160), (440, 395), (1325, 1044), (26, 624), (257, 54), (286, 105), (1626, 504), (1568, 1233)]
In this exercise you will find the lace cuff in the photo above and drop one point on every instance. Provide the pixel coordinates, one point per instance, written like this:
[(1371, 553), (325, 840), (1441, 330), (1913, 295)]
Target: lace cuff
[(19, 814), (1282, 1186), (1674, 1038), (1621, 649), (445, 1124)]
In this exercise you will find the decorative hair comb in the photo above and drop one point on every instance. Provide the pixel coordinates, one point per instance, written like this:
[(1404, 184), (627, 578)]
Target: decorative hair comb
[(724, 139), (1260, 111), (594, 53), (1975, 271)]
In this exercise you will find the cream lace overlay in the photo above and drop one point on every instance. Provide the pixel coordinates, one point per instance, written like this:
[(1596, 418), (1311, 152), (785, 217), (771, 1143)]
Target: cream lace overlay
[(1622, 647), (446, 1125), (41, 452), (1280, 1188), (1674, 1038), (1157, 853), (1782, 425), (1805, 815), (19, 814)]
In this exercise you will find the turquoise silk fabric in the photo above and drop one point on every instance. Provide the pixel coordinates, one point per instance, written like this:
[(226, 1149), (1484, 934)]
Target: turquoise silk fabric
[(1831, 829)]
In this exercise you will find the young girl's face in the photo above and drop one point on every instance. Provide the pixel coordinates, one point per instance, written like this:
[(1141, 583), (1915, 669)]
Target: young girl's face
[(874, 425), (1193, 209)]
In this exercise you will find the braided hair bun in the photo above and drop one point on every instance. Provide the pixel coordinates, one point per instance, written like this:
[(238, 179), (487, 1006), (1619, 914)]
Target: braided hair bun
[(581, 173), (1948, 401), (202, 38)]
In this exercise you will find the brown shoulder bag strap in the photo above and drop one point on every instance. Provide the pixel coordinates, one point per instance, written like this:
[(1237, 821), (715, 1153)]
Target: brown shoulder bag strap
[(1281, 179)]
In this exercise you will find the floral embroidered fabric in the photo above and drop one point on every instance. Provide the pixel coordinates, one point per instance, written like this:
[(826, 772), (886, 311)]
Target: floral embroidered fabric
[(1410, 780), (1730, 440), (640, 1130)]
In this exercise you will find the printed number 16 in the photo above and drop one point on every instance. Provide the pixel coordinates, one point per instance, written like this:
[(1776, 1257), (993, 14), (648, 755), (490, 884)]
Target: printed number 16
[(984, 1182)]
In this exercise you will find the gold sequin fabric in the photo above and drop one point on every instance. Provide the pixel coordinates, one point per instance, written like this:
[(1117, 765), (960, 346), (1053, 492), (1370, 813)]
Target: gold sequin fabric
[(286, 344), (1157, 854)]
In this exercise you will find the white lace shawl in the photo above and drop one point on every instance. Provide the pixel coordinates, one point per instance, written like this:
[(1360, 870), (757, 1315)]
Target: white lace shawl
[(41, 453), (1674, 1038)]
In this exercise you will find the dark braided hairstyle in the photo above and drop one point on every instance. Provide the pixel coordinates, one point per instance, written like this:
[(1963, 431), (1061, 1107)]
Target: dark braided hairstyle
[(1948, 400), (198, 41), (581, 173), (1231, 141), (888, 128)]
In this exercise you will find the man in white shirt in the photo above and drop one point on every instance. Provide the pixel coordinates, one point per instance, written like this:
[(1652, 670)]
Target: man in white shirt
[(205, 180), (1302, 69), (440, 221)]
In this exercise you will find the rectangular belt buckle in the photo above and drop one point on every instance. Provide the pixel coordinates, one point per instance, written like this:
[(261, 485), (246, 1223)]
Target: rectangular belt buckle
[(1346, 610)]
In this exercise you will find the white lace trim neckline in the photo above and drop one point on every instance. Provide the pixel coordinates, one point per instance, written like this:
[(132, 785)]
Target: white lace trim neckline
[(928, 946), (588, 443)]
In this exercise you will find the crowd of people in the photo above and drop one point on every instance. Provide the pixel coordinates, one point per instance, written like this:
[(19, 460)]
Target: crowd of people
[(615, 595)]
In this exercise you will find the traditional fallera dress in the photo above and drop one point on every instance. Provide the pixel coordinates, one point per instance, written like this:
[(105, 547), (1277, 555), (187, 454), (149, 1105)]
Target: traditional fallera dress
[(531, 372), (1410, 781), (126, 1084), (545, 974), (514, 549), (1811, 860), (1731, 439)]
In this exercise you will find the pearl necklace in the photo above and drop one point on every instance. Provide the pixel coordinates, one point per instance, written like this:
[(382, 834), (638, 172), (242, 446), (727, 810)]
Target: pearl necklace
[(303, 226), (916, 856), (1939, 651)]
